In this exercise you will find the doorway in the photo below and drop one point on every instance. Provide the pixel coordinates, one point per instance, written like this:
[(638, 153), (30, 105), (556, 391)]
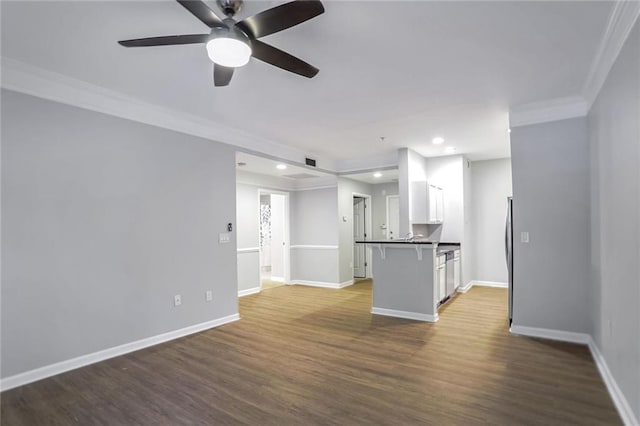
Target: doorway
[(393, 217), (274, 239), (361, 231)]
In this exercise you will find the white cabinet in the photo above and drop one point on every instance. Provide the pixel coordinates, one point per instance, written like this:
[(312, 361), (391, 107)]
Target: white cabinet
[(436, 204), (427, 203)]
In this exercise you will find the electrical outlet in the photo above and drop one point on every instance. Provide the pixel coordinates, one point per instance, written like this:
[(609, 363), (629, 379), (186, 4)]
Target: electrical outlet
[(224, 238), (177, 300), (524, 237), (208, 296)]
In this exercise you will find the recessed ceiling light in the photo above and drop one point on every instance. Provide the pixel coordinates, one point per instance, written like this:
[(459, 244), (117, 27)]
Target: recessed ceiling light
[(449, 150), (281, 166), (377, 175), (437, 140), (508, 130)]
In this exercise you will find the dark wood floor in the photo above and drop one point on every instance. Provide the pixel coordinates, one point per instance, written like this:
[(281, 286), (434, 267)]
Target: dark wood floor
[(304, 355)]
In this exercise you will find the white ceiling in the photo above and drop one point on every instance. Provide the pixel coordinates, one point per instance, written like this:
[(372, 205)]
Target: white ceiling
[(265, 166), (407, 71), (389, 175), (248, 163)]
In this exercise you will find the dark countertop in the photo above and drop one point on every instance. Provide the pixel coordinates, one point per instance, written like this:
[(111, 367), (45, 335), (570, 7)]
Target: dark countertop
[(454, 245)]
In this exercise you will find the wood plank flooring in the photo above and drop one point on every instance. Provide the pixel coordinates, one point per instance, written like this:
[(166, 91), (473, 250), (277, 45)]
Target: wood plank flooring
[(307, 356)]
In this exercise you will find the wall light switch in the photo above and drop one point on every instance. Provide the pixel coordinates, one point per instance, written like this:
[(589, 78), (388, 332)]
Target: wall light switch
[(177, 300), (224, 238), (524, 237), (208, 296)]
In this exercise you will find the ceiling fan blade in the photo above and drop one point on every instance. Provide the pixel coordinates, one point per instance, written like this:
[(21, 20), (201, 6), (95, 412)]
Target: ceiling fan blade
[(166, 40), (202, 12), (222, 75), (281, 17), (280, 59)]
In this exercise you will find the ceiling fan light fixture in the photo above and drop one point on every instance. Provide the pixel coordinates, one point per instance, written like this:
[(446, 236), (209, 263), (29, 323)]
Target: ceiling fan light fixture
[(228, 51)]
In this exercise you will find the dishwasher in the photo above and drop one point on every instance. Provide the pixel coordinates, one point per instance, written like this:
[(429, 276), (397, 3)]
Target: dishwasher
[(451, 283), (441, 277)]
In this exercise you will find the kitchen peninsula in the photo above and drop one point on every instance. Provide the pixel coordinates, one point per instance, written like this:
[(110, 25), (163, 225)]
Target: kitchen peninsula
[(404, 277)]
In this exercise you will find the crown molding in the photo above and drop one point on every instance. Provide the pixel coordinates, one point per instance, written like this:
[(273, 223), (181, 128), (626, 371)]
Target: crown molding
[(621, 21), (551, 110), (31, 80)]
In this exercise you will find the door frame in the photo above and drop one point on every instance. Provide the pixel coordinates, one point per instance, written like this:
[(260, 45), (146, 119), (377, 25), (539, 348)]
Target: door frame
[(286, 253), (387, 211), (368, 229)]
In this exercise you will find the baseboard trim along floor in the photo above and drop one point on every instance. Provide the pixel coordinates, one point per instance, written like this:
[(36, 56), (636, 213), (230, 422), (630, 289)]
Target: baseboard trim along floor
[(619, 400), (546, 333), (83, 360), (323, 284), (404, 314), (248, 292), (621, 403), (467, 287)]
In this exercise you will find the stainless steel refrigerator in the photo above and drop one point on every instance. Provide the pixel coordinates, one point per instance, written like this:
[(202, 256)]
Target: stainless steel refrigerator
[(508, 245)]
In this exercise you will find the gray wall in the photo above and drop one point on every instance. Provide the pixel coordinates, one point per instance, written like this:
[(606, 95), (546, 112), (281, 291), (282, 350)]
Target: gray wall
[(247, 215), (379, 207), (346, 188), (313, 217), (490, 187), (406, 163), (551, 201), (467, 252), (247, 229), (314, 223), (104, 220), (614, 125)]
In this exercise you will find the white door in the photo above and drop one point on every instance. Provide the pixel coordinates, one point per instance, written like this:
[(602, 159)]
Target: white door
[(393, 217), (359, 233), (277, 236)]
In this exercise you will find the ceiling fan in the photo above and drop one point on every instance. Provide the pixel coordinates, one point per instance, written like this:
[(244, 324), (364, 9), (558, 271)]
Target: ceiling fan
[(231, 44)]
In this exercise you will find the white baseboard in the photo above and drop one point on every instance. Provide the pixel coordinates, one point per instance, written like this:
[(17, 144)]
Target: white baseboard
[(491, 284), (547, 333), (322, 284), (404, 314), (249, 291), (621, 403), (81, 361), (346, 283), (619, 400), (467, 287)]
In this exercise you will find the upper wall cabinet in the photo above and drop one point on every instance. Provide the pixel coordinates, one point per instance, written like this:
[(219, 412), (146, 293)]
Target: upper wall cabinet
[(427, 203)]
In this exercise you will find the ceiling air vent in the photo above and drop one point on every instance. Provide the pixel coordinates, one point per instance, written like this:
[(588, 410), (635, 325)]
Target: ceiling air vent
[(310, 162)]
